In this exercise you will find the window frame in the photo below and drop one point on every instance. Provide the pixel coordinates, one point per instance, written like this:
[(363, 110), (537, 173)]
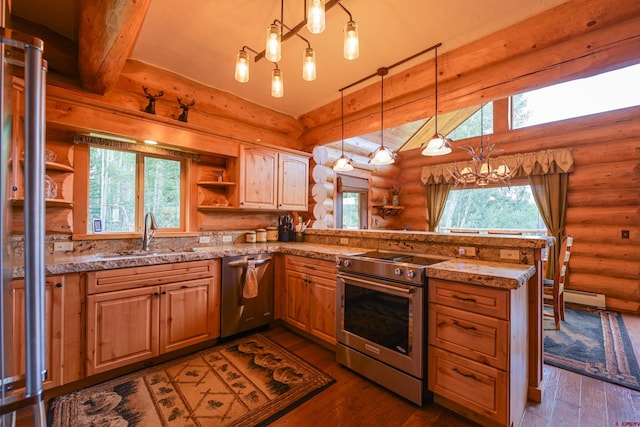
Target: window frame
[(363, 200), (83, 226)]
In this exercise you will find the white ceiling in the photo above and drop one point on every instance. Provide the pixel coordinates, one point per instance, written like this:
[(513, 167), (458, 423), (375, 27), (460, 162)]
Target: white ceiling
[(200, 38)]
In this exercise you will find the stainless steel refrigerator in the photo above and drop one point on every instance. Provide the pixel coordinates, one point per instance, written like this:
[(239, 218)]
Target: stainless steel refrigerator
[(22, 55)]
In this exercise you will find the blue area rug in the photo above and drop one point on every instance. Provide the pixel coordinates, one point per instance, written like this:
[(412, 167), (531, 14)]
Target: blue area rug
[(593, 343)]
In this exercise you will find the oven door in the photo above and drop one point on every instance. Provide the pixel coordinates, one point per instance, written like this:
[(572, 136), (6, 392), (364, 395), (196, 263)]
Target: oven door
[(383, 320)]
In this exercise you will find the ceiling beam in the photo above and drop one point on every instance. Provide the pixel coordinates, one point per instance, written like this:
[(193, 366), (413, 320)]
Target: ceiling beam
[(108, 32)]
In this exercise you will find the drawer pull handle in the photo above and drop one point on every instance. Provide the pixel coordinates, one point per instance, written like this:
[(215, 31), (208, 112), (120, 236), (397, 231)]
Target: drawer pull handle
[(459, 325), (310, 267), (457, 371), (466, 299)]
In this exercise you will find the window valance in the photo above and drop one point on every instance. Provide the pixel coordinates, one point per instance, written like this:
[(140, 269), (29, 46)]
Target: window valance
[(523, 164), (123, 145)]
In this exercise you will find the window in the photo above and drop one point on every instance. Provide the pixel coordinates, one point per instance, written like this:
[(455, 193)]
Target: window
[(117, 178), (471, 126), (604, 92), (351, 202), (494, 209)]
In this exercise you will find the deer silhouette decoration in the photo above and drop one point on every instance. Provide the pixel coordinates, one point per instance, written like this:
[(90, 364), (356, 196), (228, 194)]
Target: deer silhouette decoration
[(185, 109), (151, 107)]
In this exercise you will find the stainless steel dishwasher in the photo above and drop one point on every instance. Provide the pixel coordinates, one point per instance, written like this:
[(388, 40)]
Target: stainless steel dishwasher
[(239, 314)]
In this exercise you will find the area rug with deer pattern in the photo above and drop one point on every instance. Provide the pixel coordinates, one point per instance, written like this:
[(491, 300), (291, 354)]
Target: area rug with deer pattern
[(249, 381), (595, 343)]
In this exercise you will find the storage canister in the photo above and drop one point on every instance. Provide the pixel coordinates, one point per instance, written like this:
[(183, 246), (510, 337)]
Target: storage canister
[(261, 235), (250, 237), (272, 234)]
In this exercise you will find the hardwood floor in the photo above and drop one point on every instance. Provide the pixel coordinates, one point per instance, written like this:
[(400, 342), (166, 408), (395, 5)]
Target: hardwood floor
[(569, 399)]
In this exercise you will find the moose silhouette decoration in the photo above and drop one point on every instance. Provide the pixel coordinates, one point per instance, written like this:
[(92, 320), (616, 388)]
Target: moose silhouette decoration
[(151, 107), (185, 109)]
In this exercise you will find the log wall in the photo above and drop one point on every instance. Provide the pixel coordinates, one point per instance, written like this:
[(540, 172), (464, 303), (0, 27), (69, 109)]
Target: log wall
[(603, 197)]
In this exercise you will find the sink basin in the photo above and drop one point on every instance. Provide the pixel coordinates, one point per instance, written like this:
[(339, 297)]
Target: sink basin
[(134, 253)]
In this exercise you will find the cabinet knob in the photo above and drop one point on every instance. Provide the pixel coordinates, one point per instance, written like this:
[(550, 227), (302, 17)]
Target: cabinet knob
[(14, 188), (59, 285), (156, 294), (164, 292)]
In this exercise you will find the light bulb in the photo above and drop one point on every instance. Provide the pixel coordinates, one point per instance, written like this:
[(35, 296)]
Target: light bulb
[(273, 49), (242, 66), (351, 41), (316, 17), (277, 85), (309, 64)]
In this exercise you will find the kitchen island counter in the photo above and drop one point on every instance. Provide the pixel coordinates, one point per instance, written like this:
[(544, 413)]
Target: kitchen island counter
[(484, 273)]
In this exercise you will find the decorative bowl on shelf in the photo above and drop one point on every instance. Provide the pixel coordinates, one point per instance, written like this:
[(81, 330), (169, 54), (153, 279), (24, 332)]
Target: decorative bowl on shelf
[(50, 188)]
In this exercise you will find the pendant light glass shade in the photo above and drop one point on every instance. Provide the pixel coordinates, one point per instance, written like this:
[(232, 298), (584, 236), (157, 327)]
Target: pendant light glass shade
[(277, 85), (351, 41), (309, 64), (242, 66), (316, 20), (273, 48), (382, 156), (438, 146)]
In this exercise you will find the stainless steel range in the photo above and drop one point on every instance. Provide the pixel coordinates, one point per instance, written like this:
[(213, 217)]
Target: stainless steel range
[(381, 329)]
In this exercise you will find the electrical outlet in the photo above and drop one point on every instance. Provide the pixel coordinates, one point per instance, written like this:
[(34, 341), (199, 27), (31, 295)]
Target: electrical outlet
[(204, 239), (509, 254), (63, 246), (625, 234), (344, 241), (467, 251), (226, 239)]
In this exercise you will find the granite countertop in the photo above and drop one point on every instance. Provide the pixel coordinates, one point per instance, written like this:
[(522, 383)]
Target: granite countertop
[(62, 264), (493, 274), (485, 273)]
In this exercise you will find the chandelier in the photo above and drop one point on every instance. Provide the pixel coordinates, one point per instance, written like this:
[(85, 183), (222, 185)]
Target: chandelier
[(481, 172), (315, 22)]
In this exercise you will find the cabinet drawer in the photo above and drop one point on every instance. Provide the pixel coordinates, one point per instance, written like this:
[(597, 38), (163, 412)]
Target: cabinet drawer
[(478, 387), (477, 299), (150, 275), (311, 266), (481, 338)]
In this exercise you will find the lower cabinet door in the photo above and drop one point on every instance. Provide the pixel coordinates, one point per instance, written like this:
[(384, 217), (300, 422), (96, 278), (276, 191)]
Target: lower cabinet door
[(297, 294), (322, 309), (122, 328), (187, 314), (479, 388)]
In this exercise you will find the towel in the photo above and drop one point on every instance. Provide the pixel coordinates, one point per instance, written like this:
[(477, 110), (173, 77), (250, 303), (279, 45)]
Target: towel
[(250, 289)]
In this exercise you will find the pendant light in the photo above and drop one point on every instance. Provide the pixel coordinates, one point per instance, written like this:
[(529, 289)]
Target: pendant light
[(383, 155), (351, 49), (439, 144), (316, 20), (309, 64), (343, 164), (277, 85), (273, 47)]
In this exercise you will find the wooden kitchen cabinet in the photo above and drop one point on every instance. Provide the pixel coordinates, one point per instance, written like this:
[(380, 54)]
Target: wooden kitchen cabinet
[(63, 328), (258, 184), (293, 182), (309, 293), (162, 307), (273, 180), (478, 350)]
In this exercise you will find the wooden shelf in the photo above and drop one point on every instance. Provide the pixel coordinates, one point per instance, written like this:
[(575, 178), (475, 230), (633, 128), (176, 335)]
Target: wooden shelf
[(214, 208), (50, 203), (58, 167), (388, 210), (216, 184)]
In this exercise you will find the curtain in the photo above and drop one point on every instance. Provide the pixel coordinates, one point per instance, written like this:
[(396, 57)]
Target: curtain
[(550, 194), (436, 195), (548, 174)]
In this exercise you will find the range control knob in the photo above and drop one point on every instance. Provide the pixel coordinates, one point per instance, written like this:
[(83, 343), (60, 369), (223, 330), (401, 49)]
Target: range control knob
[(338, 262), (346, 263), (411, 274), (397, 272)]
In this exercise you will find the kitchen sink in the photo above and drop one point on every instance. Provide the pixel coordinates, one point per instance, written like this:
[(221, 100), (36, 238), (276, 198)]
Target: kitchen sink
[(135, 253)]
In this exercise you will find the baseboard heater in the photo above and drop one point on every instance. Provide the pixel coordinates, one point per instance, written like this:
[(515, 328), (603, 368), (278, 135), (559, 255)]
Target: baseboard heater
[(585, 298)]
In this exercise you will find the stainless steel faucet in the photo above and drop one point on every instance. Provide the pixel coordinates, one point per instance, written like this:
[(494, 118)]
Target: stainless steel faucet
[(149, 230)]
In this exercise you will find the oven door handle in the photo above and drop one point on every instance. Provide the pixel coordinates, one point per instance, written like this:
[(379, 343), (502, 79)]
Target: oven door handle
[(374, 286)]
